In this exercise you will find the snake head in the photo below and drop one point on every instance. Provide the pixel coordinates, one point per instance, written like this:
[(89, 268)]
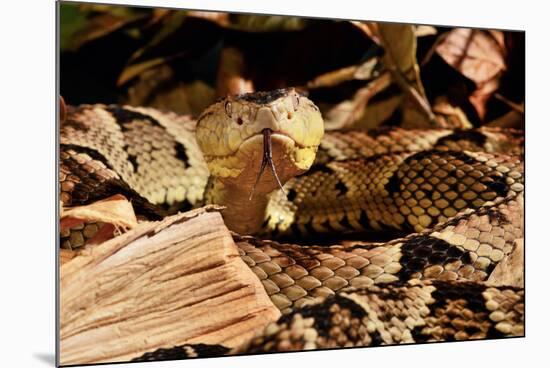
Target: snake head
[(232, 134)]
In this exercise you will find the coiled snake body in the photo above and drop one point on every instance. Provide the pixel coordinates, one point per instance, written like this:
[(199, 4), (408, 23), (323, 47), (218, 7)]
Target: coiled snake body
[(454, 198)]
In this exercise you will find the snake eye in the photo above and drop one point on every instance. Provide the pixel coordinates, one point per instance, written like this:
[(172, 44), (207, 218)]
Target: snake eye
[(296, 101), (228, 108)]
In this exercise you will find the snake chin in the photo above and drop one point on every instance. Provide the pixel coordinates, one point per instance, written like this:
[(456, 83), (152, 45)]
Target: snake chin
[(243, 167)]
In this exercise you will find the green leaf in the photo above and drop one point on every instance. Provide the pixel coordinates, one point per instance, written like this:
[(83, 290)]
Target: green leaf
[(71, 19)]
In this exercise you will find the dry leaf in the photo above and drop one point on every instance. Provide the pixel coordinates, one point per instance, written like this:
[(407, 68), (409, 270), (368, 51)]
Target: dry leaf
[(171, 22), (477, 54), (365, 71), (157, 15), (370, 29), (377, 113), (156, 88), (132, 71), (514, 106), (221, 19), (480, 56), (399, 42), (231, 70), (115, 212), (421, 31), (512, 119), (448, 116), (346, 113), (333, 78), (481, 95)]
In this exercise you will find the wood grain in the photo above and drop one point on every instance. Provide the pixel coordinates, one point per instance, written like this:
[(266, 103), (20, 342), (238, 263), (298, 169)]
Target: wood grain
[(162, 284)]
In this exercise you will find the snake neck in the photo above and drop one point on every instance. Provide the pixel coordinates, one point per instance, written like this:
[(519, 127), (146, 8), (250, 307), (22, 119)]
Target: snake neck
[(241, 214)]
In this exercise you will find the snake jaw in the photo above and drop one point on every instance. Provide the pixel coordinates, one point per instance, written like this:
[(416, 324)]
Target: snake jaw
[(267, 159)]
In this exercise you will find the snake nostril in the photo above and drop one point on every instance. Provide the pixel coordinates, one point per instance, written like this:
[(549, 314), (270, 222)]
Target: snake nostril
[(240, 121), (289, 115)]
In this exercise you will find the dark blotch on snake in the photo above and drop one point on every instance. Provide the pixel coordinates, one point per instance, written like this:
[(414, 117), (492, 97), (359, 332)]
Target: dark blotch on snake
[(123, 115), (423, 250), (133, 160), (467, 135), (341, 187), (181, 153)]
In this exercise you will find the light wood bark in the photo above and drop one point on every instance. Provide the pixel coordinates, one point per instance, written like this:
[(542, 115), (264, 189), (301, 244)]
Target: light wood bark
[(161, 284)]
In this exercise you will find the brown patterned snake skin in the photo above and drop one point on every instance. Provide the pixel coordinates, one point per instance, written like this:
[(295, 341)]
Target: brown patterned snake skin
[(454, 197)]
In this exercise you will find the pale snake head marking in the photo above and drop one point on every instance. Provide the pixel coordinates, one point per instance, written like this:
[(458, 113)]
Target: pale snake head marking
[(232, 135)]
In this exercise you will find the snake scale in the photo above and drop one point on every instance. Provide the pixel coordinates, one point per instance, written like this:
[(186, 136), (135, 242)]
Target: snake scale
[(452, 202)]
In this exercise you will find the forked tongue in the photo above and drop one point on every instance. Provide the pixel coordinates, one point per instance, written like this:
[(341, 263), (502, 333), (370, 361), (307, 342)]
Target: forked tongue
[(267, 159)]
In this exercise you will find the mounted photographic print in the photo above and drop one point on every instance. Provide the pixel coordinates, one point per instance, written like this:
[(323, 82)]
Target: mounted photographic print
[(237, 184)]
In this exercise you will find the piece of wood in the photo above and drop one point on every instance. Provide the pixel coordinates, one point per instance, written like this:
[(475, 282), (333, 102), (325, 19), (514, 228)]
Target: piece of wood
[(167, 283), (65, 255)]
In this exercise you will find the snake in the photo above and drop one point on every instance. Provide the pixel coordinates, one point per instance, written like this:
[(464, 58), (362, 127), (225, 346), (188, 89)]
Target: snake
[(360, 238)]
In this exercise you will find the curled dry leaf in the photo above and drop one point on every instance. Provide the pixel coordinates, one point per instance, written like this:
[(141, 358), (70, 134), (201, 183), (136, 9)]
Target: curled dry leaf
[(115, 212)]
